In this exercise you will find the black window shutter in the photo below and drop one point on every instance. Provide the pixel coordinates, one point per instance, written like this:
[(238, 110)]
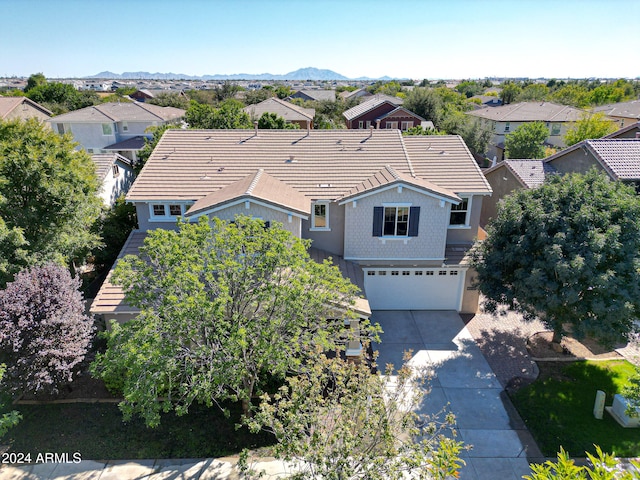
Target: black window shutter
[(414, 221), (378, 215)]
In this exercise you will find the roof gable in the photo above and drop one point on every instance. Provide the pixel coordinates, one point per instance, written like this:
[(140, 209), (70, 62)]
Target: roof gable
[(286, 110), (370, 104), (8, 104)]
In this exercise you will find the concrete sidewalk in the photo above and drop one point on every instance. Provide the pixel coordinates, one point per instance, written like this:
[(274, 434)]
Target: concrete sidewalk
[(465, 384)]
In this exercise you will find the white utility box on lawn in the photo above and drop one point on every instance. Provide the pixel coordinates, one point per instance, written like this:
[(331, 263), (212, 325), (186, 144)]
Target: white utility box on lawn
[(619, 411)]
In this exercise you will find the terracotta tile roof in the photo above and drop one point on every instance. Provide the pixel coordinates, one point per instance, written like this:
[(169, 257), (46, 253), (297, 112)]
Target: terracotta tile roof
[(286, 110), (388, 176), (369, 104), (8, 104), (121, 112), (621, 157), (529, 112), (623, 109), (110, 297), (446, 161), (259, 186), (104, 162)]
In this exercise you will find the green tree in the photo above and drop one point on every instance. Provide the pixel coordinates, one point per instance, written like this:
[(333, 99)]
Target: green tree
[(62, 97), (469, 88), (426, 103), (590, 126), (13, 252), (338, 420), (228, 115), (170, 99), (571, 94), (631, 391), (224, 308), (251, 97), (8, 419), (509, 92), (567, 253), (603, 466), (534, 92), (526, 141), (35, 80), (49, 191), (274, 122), (113, 227)]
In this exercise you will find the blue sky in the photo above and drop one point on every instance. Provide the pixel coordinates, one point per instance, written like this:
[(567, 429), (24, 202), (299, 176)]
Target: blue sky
[(407, 39)]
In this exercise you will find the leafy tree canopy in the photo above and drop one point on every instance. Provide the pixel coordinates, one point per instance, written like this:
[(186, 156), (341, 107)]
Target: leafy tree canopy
[(48, 193), (567, 253), (426, 103), (170, 99), (224, 308), (590, 126), (337, 419), (35, 80), (228, 115), (62, 97), (526, 141), (8, 419), (44, 331), (275, 122), (510, 92)]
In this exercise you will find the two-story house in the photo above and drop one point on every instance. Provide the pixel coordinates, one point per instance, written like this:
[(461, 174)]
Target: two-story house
[(115, 174), (23, 108), (504, 119), (383, 112), (625, 113), (118, 127), (398, 214)]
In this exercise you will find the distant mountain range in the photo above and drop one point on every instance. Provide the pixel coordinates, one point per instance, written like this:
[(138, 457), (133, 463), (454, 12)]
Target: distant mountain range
[(308, 73)]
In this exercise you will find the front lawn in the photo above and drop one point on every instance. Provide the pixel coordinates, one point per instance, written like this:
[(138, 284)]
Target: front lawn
[(97, 432), (558, 408)]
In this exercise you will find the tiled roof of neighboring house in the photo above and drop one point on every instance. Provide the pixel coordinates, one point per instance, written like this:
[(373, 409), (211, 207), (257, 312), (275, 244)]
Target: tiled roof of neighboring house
[(320, 164), (121, 112), (110, 299), (529, 112), (361, 92), (9, 104), (260, 186), (134, 143), (622, 131), (104, 162), (286, 110), (388, 176), (624, 109), (621, 157), (369, 104), (317, 95), (444, 160), (530, 173)]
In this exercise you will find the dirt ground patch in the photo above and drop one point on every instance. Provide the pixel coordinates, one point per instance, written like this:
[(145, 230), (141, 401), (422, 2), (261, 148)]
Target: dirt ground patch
[(540, 347)]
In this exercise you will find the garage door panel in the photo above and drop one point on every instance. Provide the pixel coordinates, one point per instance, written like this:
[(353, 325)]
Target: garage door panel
[(393, 289)]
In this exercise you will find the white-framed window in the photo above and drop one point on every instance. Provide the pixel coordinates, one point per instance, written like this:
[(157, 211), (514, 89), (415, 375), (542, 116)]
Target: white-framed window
[(391, 125), (63, 128), (361, 124), (107, 129), (116, 170), (125, 127), (368, 123), (507, 126), (404, 126), (555, 129), (460, 213), (166, 211), (320, 216), (396, 222)]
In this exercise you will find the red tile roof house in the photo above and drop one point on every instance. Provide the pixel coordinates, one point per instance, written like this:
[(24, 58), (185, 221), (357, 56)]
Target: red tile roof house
[(397, 214), (383, 112)]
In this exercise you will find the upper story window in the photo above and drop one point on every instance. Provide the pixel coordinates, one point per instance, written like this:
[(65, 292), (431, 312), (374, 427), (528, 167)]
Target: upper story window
[(460, 214), (507, 126), (125, 127), (63, 128), (392, 125), (166, 211), (107, 129), (361, 124), (555, 129), (320, 216), (396, 221), (404, 126), (116, 170)]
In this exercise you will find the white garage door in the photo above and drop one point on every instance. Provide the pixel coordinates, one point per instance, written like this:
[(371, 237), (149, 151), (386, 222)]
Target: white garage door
[(413, 288)]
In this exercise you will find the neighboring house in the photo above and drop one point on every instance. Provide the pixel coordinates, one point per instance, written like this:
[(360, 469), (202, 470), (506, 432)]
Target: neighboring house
[(360, 94), (619, 158), (510, 175), (116, 175), (397, 214), (488, 101), (505, 119), (625, 113), (142, 95), (383, 112), (290, 112), (22, 108), (115, 127), (315, 95), (630, 131)]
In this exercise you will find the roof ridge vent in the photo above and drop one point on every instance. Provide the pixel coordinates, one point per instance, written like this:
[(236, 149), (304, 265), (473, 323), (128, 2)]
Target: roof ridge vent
[(254, 182)]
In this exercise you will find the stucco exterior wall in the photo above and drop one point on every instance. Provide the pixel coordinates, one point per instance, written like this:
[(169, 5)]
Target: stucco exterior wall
[(89, 135), (115, 185), (26, 111), (331, 241), (360, 244), (502, 182), (575, 162), (467, 234)]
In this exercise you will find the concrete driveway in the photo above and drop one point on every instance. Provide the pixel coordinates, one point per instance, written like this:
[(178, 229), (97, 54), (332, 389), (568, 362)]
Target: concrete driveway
[(464, 384)]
